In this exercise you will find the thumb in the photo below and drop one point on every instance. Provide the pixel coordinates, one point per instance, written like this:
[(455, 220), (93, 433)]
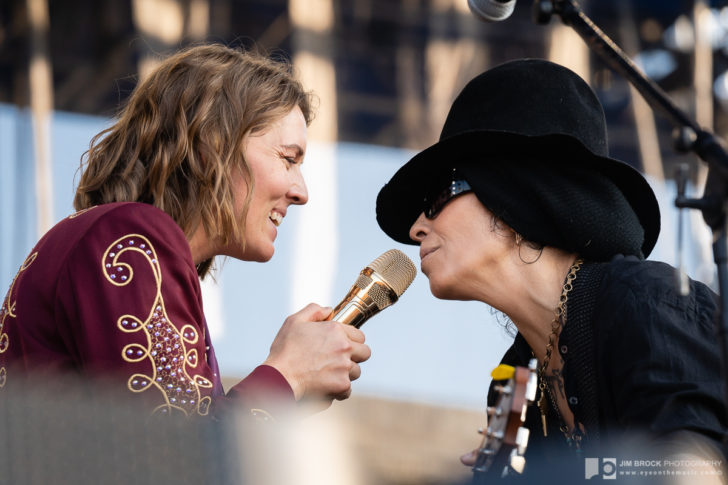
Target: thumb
[(312, 313), (469, 458)]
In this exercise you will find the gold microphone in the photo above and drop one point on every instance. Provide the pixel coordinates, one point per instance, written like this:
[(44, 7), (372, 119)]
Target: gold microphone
[(379, 285)]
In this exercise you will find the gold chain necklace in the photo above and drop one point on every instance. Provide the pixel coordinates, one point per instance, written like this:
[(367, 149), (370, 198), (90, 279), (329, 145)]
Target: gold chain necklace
[(556, 323)]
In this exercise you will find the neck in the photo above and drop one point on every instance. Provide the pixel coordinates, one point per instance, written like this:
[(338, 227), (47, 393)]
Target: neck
[(200, 245), (532, 309)]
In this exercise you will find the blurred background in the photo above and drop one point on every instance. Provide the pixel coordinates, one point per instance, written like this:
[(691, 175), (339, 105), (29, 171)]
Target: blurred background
[(385, 73)]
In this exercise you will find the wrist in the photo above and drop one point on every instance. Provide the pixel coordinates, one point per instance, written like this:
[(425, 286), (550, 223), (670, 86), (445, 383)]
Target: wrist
[(293, 382)]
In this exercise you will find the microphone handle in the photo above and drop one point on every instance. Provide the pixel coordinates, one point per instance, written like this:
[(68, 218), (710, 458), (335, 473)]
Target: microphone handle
[(369, 295), (353, 310)]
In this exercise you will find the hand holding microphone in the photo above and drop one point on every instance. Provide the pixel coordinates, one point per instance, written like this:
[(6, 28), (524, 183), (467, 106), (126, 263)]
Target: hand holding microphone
[(318, 356)]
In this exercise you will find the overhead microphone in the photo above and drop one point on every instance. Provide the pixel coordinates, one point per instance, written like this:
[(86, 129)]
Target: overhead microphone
[(378, 286), (492, 10)]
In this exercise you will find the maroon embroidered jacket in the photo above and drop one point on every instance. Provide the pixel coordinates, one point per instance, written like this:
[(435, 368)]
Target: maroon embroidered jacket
[(112, 291)]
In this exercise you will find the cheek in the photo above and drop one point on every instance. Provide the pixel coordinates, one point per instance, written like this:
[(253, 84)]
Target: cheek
[(273, 185), (459, 265)]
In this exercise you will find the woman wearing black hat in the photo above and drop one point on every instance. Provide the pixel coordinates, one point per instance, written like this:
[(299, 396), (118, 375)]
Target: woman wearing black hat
[(520, 206)]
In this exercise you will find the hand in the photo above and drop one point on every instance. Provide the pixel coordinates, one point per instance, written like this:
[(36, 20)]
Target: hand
[(319, 359)]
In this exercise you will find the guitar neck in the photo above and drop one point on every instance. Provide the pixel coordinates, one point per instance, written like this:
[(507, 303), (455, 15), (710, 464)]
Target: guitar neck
[(505, 439)]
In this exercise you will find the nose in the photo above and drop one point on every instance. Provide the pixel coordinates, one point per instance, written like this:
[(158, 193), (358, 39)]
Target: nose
[(297, 191), (420, 228)]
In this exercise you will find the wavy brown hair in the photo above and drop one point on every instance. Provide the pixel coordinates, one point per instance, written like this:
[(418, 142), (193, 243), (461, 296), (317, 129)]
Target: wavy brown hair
[(177, 140)]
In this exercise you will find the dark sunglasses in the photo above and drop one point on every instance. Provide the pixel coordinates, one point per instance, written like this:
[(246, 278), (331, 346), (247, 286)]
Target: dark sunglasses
[(433, 205)]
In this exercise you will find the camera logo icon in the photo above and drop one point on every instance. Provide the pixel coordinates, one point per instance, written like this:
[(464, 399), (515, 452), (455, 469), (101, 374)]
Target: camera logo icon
[(600, 467)]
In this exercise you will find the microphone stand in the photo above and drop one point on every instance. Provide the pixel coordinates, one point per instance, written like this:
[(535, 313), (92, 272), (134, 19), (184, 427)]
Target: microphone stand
[(688, 137)]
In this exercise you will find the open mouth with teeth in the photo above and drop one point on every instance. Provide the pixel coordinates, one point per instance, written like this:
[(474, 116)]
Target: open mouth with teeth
[(276, 218)]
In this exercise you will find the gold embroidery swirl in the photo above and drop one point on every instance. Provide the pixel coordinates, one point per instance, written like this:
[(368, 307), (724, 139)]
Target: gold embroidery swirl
[(8, 310), (166, 346)]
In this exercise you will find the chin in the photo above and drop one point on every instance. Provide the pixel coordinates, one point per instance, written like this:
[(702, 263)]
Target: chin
[(263, 257), (442, 290), (258, 255)]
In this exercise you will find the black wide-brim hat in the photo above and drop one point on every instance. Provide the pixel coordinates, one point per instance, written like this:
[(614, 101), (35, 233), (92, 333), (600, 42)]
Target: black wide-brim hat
[(530, 138)]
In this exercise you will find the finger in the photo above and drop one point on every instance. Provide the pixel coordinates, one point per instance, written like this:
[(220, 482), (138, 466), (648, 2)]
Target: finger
[(361, 353), (354, 372), (322, 314), (354, 334), (312, 313), (469, 458), (343, 395)]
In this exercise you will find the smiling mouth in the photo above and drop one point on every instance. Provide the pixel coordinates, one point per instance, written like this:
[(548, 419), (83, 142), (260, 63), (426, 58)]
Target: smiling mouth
[(275, 217)]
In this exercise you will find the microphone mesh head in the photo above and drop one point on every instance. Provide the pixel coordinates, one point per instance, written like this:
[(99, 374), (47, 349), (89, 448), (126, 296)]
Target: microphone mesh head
[(382, 297), (396, 269)]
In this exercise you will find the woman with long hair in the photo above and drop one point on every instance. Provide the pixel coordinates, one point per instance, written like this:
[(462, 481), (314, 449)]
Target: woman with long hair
[(203, 160)]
